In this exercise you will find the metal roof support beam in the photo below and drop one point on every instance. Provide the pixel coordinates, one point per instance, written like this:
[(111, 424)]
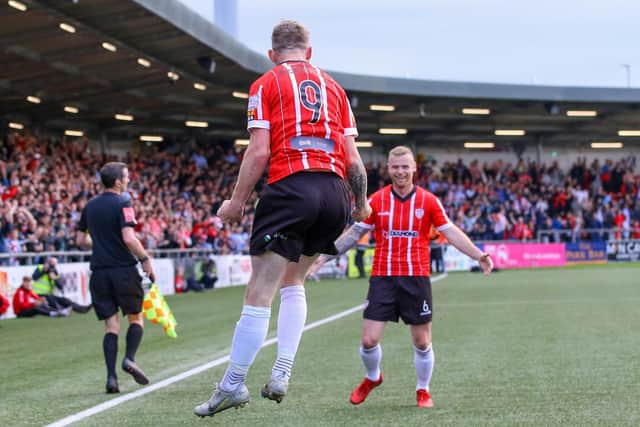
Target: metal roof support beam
[(539, 142), (128, 48)]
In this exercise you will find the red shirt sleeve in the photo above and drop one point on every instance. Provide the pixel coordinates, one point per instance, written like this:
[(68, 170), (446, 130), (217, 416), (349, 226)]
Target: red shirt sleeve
[(437, 215), (4, 304), (16, 302)]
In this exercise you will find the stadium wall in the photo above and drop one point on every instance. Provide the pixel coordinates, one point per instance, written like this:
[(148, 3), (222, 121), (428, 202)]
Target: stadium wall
[(75, 278)]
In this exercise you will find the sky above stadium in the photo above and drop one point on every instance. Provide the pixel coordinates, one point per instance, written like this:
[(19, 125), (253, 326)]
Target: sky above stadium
[(545, 42)]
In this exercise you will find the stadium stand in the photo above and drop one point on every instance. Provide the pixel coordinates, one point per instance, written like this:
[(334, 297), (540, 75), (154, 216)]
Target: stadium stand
[(155, 85), (43, 192), (119, 89), (179, 189)]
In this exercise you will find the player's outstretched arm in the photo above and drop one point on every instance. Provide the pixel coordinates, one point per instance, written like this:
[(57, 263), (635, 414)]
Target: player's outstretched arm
[(346, 241), (357, 178), (461, 241)]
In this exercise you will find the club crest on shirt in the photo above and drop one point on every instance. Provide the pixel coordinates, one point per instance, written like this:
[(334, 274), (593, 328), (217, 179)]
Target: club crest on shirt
[(419, 213)]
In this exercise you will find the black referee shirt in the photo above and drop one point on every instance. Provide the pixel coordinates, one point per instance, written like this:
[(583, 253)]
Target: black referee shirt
[(104, 217)]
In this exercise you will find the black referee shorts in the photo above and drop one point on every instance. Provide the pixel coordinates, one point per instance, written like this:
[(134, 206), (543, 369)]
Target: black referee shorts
[(113, 288), (302, 214), (393, 297)]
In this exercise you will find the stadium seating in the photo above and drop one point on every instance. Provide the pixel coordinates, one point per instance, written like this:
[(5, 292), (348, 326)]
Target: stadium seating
[(45, 183)]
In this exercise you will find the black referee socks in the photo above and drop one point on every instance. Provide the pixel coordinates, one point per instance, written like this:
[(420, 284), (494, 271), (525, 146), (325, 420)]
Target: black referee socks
[(134, 337), (110, 348)]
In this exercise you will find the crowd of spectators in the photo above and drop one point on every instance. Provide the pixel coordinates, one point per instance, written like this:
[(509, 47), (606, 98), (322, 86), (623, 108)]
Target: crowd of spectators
[(595, 200), (176, 190), (45, 184)]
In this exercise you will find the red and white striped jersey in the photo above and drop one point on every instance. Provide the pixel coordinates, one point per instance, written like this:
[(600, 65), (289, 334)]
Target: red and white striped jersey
[(401, 229), (308, 115)]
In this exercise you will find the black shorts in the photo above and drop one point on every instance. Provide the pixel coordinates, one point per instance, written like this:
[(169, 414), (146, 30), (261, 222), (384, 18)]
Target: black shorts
[(303, 213), (116, 287), (407, 297)]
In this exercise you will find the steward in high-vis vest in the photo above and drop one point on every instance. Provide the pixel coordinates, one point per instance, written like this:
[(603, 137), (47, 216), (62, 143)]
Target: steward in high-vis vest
[(45, 281), (437, 242)]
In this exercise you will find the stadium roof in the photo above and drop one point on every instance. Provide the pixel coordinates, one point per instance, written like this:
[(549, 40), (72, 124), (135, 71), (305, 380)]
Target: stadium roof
[(114, 57)]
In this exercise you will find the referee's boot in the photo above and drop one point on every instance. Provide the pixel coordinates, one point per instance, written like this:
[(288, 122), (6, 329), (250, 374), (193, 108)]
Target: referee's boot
[(112, 385), (130, 367), (276, 388), (221, 400)]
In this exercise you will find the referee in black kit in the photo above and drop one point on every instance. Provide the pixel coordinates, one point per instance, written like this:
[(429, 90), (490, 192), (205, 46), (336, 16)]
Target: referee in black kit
[(106, 225)]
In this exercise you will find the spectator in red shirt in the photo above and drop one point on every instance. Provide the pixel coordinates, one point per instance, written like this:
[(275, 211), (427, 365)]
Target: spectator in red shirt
[(521, 230), (27, 303), (4, 304), (618, 222)]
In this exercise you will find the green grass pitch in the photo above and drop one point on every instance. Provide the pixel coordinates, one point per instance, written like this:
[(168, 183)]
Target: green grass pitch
[(531, 347)]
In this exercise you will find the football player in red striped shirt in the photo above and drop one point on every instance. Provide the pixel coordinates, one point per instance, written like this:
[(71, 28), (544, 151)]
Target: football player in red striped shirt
[(399, 287), (301, 124)]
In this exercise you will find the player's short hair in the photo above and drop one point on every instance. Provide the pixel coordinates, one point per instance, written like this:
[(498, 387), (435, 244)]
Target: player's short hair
[(400, 150), (289, 35), (111, 172)]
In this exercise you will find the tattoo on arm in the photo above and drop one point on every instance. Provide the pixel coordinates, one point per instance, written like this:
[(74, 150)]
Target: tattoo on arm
[(349, 238), (357, 177), (346, 241)]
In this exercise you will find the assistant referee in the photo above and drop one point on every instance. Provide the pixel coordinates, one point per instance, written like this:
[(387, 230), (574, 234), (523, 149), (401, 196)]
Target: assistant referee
[(107, 225)]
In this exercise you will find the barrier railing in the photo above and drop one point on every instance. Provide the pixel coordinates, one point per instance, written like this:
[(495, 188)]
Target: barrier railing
[(543, 236), (29, 258), (588, 234)]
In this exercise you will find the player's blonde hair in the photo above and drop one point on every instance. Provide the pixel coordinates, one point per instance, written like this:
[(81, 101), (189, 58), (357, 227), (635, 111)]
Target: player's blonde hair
[(400, 150), (289, 35)]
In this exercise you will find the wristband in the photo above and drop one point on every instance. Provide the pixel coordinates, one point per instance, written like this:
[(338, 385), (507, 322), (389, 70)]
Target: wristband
[(144, 259)]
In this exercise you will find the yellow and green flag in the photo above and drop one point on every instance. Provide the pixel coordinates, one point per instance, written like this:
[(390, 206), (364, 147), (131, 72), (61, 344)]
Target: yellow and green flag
[(157, 310)]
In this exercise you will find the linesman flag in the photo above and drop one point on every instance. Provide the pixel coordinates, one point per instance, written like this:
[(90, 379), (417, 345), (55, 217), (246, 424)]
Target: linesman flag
[(157, 310)]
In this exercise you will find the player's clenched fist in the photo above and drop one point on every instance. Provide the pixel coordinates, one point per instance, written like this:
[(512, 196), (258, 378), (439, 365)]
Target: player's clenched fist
[(360, 214), (231, 211)]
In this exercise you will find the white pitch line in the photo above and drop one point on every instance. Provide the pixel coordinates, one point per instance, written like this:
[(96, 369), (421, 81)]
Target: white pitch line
[(191, 372)]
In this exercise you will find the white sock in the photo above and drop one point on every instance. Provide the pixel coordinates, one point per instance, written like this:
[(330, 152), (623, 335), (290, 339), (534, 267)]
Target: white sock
[(423, 361), (251, 331), (371, 357), (291, 320)]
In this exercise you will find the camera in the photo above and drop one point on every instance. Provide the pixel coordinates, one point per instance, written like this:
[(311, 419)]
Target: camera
[(51, 268)]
